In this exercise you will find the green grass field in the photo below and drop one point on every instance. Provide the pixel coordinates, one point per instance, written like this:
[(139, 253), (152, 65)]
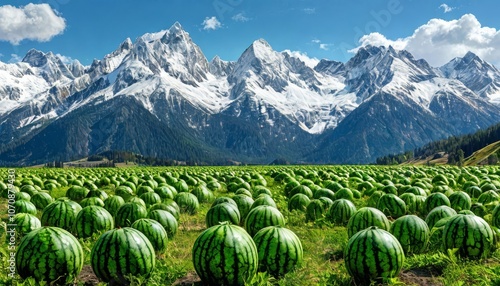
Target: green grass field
[(323, 242)]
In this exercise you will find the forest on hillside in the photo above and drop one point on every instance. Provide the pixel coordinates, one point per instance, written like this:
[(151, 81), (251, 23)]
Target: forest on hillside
[(457, 148)]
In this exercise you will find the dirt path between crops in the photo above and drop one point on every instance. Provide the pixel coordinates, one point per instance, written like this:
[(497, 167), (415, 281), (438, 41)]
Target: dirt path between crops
[(87, 276), (420, 276)]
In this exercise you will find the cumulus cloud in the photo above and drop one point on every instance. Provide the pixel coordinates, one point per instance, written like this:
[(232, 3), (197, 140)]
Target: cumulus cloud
[(439, 41), (446, 8), (36, 22), (211, 23), (240, 17), (310, 62)]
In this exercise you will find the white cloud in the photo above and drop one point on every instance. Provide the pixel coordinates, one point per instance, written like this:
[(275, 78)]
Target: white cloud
[(439, 40), (240, 17), (14, 58), (33, 22), (324, 47), (211, 23), (310, 10), (446, 8), (310, 62)]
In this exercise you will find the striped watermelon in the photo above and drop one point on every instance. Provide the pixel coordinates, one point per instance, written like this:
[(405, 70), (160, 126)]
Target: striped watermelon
[(154, 231), (279, 250), (222, 212), (301, 189), (264, 200), (128, 213), (25, 223), (113, 203), (435, 200), (340, 212), (91, 201), (125, 192), (121, 252), (373, 254), (410, 202), (391, 205), (412, 233), (437, 214), (460, 201), (262, 216), (167, 220), (172, 208), (49, 254), (77, 193), (298, 202), (225, 255), (244, 204), (60, 213), (150, 198), (470, 234), (23, 206), (188, 203), (315, 210), (91, 220), (41, 200), (366, 217), (495, 217)]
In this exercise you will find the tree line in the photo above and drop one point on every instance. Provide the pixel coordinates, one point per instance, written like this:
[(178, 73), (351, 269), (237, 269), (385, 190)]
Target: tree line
[(457, 148)]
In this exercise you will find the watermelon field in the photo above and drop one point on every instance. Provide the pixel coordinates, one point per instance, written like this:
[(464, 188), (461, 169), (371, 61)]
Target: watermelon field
[(251, 225)]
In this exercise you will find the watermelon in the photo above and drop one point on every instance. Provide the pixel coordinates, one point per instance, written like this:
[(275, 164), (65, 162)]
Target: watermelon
[(340, 212), (264, 200), (61, 213), (25, 223), (470, 234), (41, 200), (410, 201), (51, 255), (77, 193), (244, 204), (437, 214), (495, 217), (188, 203), (222, 212), (121, 252), (279, 250), (167, 220), (154, 231), (435, 200), (113, 203), (373, 254), (315, 210), (391, 205), (262, 216), (225, 255), (366, 217), (150, 198), (128, 213), (92, 201), (412, 233), (301, 189), (22, 206), (91, 220), (298, 202), (460, 201)]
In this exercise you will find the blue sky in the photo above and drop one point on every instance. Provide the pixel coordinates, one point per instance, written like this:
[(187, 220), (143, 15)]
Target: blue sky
[(332, 29)]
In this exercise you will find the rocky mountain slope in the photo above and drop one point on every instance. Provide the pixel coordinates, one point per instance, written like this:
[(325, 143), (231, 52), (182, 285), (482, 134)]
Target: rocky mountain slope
[(159, 96)]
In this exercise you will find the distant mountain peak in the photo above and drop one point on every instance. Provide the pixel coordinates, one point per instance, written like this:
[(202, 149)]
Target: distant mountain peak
[(35, 58)]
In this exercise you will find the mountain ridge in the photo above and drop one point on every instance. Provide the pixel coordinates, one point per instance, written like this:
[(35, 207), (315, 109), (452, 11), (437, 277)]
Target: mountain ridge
[(265, 105)]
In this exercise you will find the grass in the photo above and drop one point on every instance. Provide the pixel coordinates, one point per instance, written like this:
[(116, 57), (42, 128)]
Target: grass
[(323, 244), (482, 154)]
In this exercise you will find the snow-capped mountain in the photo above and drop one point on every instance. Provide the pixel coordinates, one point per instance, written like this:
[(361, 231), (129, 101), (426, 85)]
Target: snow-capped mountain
[(160, 96)]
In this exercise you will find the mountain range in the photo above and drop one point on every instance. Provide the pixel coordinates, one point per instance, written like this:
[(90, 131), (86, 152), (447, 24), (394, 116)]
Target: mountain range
[(159, 96)]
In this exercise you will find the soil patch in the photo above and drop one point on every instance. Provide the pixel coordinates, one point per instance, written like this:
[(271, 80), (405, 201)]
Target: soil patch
[(420, 276), (191, 278)]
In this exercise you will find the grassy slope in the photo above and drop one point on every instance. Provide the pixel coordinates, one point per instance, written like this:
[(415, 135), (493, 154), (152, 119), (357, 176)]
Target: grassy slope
[(482, 154)]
